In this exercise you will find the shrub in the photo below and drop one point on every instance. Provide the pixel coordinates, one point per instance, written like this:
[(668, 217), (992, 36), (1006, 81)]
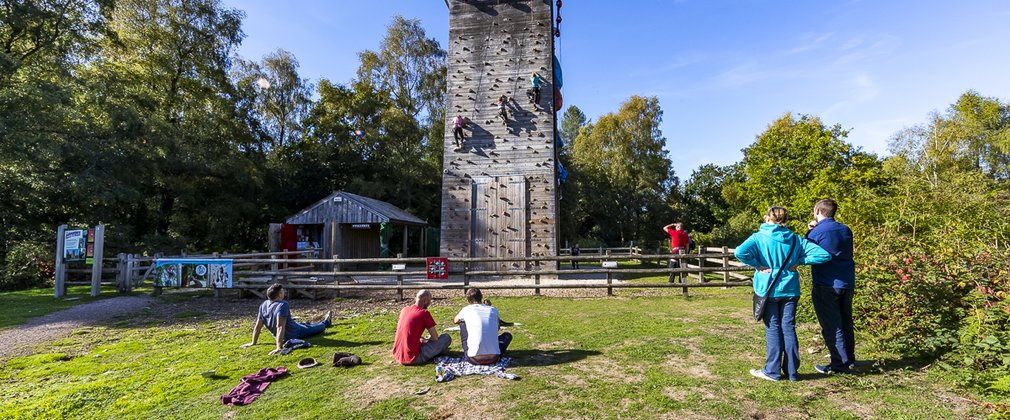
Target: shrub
[(27, 265)]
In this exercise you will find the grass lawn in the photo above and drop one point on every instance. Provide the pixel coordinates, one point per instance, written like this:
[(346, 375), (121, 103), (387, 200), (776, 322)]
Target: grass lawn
[(641, 354)]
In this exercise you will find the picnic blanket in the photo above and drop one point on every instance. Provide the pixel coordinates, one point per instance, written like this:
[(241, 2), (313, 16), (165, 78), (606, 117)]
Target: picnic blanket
[(448, 368), (252, 386)]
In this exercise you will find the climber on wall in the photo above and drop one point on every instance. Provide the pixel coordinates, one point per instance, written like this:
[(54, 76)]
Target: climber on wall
[(502, 103), (534, 93), (457, 130)]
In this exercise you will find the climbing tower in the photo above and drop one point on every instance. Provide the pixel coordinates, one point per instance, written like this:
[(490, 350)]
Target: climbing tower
[(499, 196)]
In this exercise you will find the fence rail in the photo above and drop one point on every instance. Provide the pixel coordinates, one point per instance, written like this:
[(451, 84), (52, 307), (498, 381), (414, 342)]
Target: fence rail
[(253, 272)]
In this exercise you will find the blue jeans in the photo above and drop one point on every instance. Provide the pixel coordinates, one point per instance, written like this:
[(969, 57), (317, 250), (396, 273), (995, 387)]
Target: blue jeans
[(302, 330), (834, 312), (780, 338)]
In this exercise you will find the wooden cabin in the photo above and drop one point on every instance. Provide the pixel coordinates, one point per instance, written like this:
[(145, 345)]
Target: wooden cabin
[(345, 225)]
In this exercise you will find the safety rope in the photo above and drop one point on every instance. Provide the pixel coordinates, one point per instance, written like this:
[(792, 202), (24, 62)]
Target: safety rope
[(482, 67)]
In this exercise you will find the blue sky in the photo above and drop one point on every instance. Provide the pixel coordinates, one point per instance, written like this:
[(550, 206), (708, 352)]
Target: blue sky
[(723, 70)]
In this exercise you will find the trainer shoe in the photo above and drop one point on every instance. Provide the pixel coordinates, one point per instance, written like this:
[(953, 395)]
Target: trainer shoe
[(758, 373)]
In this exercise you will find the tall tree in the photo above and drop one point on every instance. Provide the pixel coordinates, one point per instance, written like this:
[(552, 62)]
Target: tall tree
[(279, 96), (627, 175)]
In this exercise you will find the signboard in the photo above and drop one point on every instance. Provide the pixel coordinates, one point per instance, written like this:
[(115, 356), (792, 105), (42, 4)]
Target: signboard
[(75, 245), (361, 226), (193, 272), (437, 268)]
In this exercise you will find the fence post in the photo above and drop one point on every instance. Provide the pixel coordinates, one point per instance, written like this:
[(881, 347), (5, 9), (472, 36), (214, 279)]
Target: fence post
[(701, 264), (399, 286), (466, 276), (536, 279), (336, 269), (121, 269), (157, 289), (725, 265), (217, 292), (683, 278), (96, 265), (610, 279), (273, 267)]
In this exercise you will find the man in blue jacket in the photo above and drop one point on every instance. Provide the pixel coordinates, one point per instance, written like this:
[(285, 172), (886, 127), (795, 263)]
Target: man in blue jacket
[(834, 284)]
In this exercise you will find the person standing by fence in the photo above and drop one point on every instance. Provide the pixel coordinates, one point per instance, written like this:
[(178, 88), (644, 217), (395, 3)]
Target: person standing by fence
[(575, 253), (679, 242)]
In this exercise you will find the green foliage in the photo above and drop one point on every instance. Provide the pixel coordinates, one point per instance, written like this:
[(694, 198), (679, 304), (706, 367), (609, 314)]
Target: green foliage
[(623, 174), (27, 265), (796, 162)]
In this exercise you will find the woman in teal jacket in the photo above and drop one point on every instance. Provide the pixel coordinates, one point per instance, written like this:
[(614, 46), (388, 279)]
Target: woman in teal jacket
[(771, 249)]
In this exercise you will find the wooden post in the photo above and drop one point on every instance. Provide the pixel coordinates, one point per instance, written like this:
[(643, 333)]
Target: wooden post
[(610, 280), (725, 265), (96, 265), (274, 266), (536, 279), (217, 292), (399, 286), (336, 269), (683, 281), (466, 276), (157, 289), (60, 288), (121, 268), (405, 243), (701, 265), (131, 267)]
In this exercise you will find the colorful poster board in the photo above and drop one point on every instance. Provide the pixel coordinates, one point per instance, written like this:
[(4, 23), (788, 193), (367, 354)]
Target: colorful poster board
[(75, 245), (437, 268), (193, 273)]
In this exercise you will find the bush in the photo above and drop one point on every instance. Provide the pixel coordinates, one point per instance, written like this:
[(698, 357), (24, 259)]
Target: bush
[(27, 265)]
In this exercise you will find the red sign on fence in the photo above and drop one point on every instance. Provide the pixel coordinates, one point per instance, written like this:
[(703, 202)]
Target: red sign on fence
[(437, 268)]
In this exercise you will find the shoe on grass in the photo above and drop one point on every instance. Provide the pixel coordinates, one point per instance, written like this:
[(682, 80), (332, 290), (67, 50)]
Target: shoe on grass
[(758, 373)]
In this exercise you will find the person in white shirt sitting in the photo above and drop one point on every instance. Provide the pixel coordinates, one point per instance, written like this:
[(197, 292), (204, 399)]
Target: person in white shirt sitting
[(478, 331)]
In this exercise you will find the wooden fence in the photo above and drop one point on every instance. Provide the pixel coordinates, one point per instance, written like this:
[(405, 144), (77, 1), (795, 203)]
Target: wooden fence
[(254, 272)]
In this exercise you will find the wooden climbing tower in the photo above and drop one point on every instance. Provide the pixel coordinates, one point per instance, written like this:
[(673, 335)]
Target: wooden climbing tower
[(499, 196)]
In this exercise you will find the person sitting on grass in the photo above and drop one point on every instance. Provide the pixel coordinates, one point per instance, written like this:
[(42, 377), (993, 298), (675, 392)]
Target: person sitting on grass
[(478, 330), (409, 348), (275, 314)]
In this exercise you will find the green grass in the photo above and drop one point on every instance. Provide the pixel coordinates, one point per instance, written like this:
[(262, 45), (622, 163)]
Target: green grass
[(18, 307), (641, 357)]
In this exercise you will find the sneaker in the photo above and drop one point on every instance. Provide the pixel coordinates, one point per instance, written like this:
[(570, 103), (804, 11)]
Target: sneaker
[(758, 373), (823, 369), (328, 318)]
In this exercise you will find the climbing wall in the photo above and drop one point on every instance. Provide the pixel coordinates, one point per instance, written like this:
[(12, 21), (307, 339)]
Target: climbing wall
[(498, 187)]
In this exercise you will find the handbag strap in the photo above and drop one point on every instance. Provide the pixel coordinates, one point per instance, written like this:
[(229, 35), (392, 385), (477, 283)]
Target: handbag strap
[(789, 254)]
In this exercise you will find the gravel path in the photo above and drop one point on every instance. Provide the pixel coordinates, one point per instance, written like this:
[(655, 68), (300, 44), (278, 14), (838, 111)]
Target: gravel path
[(21, 340)]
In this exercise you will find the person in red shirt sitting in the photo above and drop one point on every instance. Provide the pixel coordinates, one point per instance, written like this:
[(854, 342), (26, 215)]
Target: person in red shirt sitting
[(409, 348), (679, 243)]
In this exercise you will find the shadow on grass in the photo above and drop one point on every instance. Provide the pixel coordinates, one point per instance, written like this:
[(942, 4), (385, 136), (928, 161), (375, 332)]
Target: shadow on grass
[(331, 343), (548, 357)]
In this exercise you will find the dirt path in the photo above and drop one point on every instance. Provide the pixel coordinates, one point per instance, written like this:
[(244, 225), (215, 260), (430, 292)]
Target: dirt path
[(20, 341)]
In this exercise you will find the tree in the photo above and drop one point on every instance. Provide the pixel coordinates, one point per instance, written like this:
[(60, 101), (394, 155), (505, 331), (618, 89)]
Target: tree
[(279, 96), (42, 33), (795, 162), (624, 172), (409, 65), (572, 120)]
